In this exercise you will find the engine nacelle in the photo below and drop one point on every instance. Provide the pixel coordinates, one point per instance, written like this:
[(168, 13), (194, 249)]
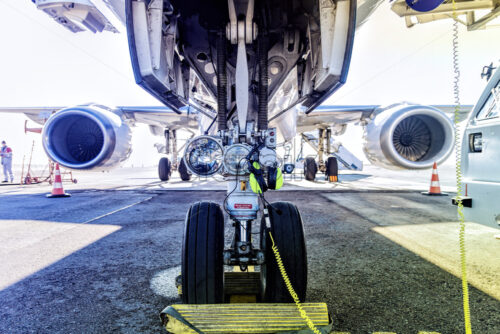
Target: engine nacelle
[(87, 137), (406, 136)]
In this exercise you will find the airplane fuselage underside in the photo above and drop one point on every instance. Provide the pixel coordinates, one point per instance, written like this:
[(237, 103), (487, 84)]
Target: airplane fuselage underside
[(176, 49)]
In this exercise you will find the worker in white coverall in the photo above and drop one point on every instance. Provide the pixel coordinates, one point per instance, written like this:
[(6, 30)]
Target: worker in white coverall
[(6, 154)]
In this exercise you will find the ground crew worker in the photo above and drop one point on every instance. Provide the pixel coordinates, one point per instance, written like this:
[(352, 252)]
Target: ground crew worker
[(6, 154)]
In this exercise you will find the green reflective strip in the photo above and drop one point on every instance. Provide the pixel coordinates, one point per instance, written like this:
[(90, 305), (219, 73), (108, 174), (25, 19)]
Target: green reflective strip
[(279, 179), (256, 165), (254, 184)]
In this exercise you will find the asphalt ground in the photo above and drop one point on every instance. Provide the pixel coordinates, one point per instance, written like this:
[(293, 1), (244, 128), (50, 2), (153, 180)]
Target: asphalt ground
[(104, 260)]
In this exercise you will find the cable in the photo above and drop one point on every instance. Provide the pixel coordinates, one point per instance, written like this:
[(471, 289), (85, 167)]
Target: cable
[(277, 255), (458, 156), (289, 286)]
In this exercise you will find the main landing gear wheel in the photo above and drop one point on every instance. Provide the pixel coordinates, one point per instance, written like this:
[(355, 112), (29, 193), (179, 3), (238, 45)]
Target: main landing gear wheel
[(332, 169), (183, 171), (288, 235), (310, 169), (202, 255), (164, 169)]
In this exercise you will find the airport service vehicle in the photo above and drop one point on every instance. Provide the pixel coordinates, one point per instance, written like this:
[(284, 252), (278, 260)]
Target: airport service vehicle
[(244, 75), (480, 162)]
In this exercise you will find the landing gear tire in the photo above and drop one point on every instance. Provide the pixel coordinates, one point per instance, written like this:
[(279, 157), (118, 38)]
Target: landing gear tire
[(332, 169), (288, 235), (164, 169), (183, 171), (310, 169), (202, 255)]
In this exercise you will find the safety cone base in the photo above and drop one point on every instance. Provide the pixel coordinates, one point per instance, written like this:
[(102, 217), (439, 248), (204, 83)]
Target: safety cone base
[(57, 195), (428, 193)]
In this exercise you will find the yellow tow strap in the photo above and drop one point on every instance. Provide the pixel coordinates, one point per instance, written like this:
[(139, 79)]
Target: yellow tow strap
[(458, 156)]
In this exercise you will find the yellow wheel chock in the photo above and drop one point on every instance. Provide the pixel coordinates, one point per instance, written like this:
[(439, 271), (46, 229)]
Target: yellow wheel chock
[(244, 318)]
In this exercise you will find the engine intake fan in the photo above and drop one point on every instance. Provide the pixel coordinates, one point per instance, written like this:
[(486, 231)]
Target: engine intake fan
[(86, 137), (408, 136)]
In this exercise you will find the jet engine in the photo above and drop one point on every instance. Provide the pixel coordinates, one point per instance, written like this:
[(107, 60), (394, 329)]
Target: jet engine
[(406, 136), (87, 137)]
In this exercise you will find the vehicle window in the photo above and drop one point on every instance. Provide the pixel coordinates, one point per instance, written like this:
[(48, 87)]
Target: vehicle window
[(491, 107)]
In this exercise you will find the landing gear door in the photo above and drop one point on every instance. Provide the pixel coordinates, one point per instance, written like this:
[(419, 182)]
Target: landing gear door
[(333, 55), (330, 59), (323, 67), (334, 23), (152, 35)]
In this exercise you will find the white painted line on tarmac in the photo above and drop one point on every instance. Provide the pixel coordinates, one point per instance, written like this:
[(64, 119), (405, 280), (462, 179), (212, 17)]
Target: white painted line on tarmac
[(117, 210)]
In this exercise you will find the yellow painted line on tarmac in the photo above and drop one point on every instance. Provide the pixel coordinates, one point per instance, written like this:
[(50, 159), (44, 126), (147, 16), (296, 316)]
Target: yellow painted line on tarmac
[(420, 332), (438, 244)]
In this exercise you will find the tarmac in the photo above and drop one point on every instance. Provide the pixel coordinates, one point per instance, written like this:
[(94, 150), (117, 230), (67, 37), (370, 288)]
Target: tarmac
[(381, 255)]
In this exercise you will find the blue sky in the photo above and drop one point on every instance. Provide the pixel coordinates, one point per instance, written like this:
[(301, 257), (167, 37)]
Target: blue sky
[(43, 64)]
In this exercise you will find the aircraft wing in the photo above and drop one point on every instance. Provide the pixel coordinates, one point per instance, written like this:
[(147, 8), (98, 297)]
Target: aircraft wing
[(162, 117), (326, 115), (36, 114)]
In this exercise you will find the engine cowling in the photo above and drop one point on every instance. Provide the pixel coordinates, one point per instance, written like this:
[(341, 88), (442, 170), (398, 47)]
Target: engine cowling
[(406, 136), (87, 137)]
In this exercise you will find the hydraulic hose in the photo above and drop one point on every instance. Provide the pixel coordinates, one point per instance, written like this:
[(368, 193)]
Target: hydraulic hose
[(263, 83), (221, 81)]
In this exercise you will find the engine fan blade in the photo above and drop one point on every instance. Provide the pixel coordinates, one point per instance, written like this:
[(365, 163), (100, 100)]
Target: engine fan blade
[(412, 138), (85, 140)]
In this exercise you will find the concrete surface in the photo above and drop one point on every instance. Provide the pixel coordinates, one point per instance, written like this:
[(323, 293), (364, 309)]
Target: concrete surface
[(381, 255)]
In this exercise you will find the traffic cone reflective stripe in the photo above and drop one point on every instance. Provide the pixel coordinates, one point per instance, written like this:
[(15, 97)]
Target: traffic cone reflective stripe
[(57, 190)]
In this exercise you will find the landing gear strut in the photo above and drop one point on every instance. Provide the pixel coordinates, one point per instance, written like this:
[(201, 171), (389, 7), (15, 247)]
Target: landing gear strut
[(166, 166)]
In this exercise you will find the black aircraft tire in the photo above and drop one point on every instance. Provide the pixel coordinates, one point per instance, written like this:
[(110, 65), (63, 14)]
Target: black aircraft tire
[(183, 171), (332, 167), (310, 169), (288, 235), (164, 169), (202, 255)]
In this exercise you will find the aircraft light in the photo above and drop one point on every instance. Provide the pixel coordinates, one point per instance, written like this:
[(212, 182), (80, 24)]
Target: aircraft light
[(235, 154), (203, 155)]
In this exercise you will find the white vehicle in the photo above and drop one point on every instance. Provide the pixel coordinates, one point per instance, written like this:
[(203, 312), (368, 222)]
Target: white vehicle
[(481, 158)]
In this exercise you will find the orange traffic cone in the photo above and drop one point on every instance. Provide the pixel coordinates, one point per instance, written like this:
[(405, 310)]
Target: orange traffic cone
[(435, 189), (58, 190)]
